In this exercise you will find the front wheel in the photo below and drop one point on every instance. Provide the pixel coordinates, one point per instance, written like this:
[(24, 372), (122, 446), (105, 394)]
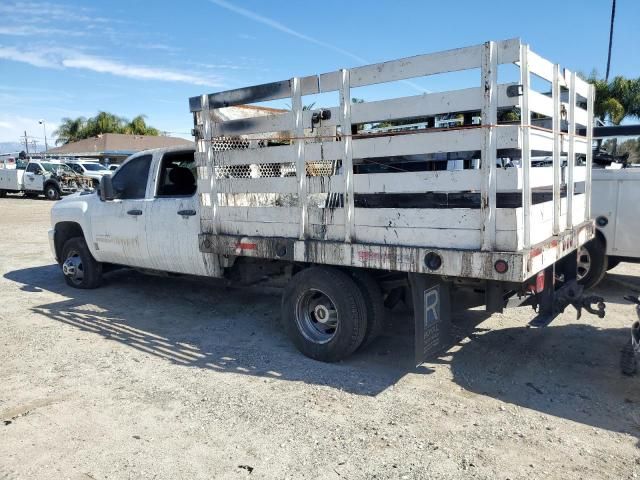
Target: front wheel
[(52, 192), (592, 262), (79, 267), (324, 313)]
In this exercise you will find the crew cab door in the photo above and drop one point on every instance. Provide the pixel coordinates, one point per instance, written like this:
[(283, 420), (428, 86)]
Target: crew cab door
[(173, 221), (33, 178), (118, 226)]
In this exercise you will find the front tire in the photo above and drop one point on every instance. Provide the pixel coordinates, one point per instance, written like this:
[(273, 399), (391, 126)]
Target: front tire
[(51, 192), (324, 313), (592, 262), (79, 267)]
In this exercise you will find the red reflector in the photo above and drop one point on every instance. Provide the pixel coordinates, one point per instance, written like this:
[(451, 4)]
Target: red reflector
[(540, 282), (501, 266)]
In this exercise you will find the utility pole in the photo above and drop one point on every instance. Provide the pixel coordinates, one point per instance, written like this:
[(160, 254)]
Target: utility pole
[(26, 143), (44, 128), (613, 16)]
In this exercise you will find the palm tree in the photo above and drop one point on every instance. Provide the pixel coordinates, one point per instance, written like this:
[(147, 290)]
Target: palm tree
[(138, 126), (74, 129), (104, 122), (617, 99), (70, 130)]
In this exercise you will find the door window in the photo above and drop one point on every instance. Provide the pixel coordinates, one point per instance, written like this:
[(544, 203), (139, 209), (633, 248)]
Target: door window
[(130, 182), (33, 168), (177, 175)]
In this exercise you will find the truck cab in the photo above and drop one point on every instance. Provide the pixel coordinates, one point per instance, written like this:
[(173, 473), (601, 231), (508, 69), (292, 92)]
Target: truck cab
[(149, 221)]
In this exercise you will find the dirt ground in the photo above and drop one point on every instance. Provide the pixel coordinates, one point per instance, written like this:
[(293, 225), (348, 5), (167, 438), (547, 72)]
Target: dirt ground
[(167, 378)]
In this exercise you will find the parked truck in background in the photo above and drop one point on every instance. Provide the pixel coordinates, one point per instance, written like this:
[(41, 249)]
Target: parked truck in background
[(89, 168), (349, 221), (616, 193), (41, 177)]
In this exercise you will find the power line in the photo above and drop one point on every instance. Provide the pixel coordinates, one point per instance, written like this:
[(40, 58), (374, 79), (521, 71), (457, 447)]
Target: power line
[(613, 15)]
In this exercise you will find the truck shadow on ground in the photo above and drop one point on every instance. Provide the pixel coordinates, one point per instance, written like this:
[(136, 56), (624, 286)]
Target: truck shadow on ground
[(570, 371)]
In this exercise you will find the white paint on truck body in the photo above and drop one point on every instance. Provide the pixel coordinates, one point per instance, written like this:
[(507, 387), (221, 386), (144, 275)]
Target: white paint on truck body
[(616, 195)]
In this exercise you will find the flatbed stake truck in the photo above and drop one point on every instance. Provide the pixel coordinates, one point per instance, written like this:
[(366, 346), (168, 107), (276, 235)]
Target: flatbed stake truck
[(349, 217)]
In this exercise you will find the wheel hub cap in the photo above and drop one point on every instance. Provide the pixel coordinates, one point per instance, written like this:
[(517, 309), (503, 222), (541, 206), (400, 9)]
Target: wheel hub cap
[(317, 316), (72, 268), (584, 263)]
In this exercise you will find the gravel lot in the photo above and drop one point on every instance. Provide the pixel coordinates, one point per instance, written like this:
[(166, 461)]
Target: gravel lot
[(167, 378)]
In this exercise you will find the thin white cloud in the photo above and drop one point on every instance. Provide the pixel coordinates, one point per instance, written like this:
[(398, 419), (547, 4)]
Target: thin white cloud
[(29, 30), (284, 29), (35, 58), (294, 33), (65, 58), (46, 12)]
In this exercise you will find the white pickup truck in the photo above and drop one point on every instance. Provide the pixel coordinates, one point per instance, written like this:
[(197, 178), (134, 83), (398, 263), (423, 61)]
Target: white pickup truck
[(48, 177), (350, 222)]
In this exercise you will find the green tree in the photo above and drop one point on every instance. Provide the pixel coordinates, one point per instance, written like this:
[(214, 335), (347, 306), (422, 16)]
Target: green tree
[(615, 100), (74, 129), (70, 130), (138, 126)]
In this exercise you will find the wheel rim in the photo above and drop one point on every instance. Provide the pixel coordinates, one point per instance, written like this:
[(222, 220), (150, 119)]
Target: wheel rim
[(51, 193), (317, 316), (72, 267), (584, 263)]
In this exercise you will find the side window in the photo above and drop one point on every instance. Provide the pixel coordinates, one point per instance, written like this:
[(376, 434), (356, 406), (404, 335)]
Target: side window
[(177, 175), (32, 168), (76, 168), (130, 181)]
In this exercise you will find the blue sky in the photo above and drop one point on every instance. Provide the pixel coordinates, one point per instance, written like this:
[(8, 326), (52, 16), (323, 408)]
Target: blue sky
[(72, 58)]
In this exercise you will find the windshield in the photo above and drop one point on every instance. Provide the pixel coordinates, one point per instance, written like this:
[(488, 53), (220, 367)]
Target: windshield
[(54, 167), (93, 167)]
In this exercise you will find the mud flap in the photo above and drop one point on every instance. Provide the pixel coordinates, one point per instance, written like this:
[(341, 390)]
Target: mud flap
[(432, 315)]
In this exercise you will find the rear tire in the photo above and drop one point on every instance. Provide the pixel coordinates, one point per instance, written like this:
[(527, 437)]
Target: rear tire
[(324, 313), (51, 192), (374, 303), (592, 262), (79, 267)]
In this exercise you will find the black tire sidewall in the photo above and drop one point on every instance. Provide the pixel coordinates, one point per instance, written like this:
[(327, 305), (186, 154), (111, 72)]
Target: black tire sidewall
[(92, 269), (56, 194), (347, 299), (376, 311)]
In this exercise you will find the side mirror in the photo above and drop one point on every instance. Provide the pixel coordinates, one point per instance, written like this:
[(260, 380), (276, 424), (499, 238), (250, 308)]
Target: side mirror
[(106, 188)]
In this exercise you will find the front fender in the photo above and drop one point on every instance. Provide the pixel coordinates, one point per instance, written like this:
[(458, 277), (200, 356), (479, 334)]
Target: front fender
[(76, 209)]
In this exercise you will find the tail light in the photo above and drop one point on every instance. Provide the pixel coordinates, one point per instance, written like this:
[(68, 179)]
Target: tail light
[(540, 282)]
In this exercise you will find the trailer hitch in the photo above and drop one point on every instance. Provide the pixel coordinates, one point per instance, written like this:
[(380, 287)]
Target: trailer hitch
[(587, 303), (573, 294)]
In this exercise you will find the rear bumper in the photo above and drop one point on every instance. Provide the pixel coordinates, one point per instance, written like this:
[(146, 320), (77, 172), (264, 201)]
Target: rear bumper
[(522, 264)]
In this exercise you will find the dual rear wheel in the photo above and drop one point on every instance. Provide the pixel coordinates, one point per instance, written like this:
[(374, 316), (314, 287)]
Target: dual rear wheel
[(329, 313)]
